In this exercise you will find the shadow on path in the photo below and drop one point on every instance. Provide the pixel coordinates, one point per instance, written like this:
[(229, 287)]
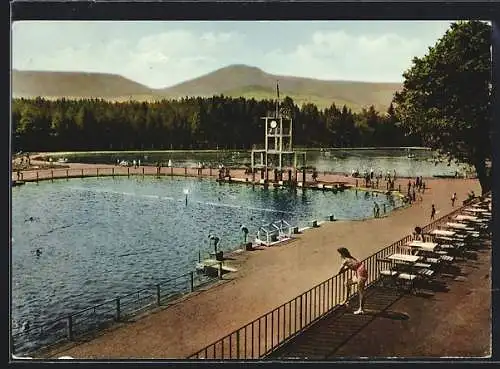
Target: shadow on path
[(330, 333)]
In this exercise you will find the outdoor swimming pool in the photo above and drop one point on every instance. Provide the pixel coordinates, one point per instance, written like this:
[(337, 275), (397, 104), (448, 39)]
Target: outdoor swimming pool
[(104, 237)]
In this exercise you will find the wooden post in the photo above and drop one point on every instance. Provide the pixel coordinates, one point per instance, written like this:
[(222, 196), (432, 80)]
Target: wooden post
[(143, 171), (220, 270), (69, 327), (97, 170), (199, 256), (37, 176), (118, 312), (210, 170), (185, 171), (192, 280), (52, 175), (67, 173), (158, 295), (82, 173), (113, 172), (171, 171), (128, 171)]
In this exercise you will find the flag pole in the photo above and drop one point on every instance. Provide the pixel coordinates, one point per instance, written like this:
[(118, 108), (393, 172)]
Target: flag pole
[(278, 99)]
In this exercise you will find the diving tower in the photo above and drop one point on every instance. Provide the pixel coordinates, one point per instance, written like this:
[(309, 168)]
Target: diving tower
[(278, 154)]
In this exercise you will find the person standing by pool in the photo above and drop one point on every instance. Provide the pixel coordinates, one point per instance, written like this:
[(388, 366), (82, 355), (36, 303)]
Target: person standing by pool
[(433, 212), (417, 234), (360, 277), (244, 229), (453, 199)]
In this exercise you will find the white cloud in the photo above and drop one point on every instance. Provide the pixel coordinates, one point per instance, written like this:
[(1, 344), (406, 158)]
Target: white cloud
[(339, 55), (168, 56), (157, 60)]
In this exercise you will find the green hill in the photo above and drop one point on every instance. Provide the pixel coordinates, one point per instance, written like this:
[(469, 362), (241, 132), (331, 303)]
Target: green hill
[(234, 80), (73, 85)]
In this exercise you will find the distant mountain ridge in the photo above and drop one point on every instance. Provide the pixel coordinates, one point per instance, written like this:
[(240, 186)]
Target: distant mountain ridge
[(234, 80)]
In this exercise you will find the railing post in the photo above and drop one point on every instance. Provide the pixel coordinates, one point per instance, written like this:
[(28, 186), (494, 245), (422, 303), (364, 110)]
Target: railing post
[(191, 274), (300, 313), (238, 344), (158, 295), (118, 312), (69, 327)]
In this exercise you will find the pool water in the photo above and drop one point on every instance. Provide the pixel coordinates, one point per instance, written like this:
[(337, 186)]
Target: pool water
[(104, 237)]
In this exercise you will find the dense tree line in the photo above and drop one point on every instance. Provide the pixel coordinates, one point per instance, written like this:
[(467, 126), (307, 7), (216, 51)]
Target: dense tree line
[(192, 123)]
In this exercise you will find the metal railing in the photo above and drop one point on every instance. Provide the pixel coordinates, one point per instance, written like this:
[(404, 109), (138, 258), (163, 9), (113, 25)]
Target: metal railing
[(66, 173), (35, 175), (270, 331), (102, 315)]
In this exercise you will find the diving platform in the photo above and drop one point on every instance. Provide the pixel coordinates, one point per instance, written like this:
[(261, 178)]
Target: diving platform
[(325, 186), (214, 267)]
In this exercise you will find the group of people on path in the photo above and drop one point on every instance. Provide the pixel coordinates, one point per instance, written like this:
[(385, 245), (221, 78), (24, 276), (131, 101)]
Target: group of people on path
[(413, 187)]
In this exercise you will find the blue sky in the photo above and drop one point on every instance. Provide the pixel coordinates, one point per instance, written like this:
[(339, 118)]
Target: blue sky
[(161, 54)]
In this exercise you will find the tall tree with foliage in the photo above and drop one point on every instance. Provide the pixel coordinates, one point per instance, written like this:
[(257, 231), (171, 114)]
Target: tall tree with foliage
[(446, 97)]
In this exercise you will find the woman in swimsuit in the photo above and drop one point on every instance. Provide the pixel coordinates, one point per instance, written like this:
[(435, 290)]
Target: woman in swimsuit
[(349, 262)]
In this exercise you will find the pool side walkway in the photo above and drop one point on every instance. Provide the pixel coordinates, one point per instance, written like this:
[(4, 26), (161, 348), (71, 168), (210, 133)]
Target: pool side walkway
[(451, 318)]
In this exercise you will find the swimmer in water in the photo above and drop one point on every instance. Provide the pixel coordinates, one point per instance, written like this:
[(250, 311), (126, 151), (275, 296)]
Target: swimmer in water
[(38, 252)]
